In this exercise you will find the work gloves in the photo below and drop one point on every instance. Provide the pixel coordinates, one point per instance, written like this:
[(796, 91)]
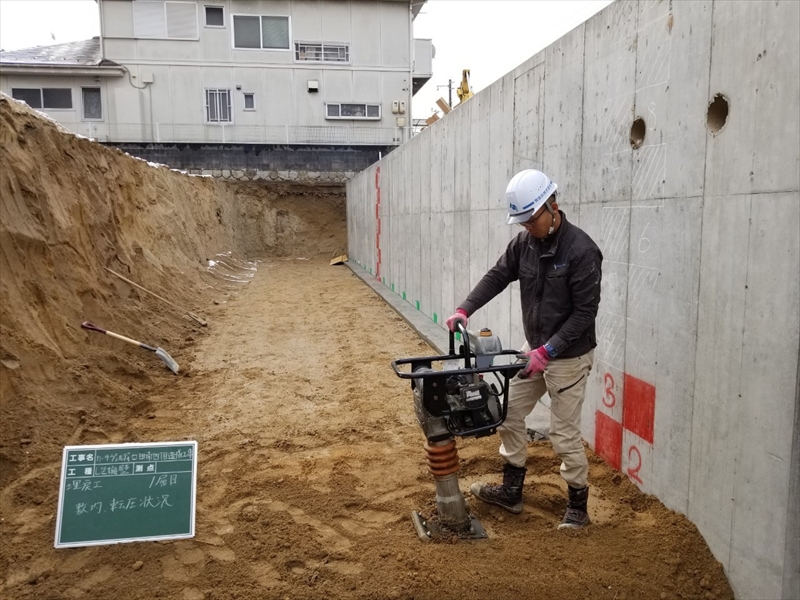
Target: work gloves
[(537, 361), (460, 315)]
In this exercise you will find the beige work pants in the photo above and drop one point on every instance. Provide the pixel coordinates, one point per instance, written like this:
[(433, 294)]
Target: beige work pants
[(564, 380)]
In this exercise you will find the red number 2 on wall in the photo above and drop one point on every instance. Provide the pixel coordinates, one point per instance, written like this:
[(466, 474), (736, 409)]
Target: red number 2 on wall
[(609, 399), (633, 471)]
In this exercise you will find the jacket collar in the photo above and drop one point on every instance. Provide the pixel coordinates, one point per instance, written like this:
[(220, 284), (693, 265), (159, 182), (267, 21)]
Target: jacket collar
[(537, 244)]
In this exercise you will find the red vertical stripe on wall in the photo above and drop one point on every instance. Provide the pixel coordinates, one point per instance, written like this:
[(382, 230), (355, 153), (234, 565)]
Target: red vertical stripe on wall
[(378, 220)]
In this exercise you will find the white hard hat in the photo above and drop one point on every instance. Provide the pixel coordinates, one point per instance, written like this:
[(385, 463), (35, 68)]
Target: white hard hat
[(526, 193)]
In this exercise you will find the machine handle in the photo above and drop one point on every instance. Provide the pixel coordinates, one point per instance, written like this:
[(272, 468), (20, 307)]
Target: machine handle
[(465, 337), (513, 368)]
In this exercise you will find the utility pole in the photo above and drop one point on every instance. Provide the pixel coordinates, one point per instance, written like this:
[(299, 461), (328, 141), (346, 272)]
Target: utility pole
[(449, 87)]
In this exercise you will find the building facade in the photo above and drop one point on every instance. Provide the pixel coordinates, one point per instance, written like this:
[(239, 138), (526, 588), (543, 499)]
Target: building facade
[(271, 73)]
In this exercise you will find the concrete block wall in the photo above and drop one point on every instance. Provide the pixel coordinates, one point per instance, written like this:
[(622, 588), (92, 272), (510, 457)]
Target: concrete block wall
[(695, 393), (260, 161)]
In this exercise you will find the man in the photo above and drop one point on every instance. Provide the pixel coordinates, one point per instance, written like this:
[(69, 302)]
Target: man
[(559, 270)]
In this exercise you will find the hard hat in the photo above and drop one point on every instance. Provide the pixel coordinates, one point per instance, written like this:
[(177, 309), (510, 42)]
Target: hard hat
[(526, 193)]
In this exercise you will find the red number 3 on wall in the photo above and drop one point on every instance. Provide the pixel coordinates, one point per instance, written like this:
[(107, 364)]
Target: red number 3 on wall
[(609, 399)]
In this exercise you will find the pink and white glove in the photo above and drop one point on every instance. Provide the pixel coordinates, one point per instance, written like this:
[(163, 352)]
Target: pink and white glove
[(460, 315), (537, 361)]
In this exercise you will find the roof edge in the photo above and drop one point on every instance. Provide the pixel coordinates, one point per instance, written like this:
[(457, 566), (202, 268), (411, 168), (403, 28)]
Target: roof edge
[(52, 69)]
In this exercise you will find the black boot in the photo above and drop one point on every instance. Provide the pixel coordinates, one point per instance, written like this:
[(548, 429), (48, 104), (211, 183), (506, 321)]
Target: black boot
[(508, 495), (576, 515)]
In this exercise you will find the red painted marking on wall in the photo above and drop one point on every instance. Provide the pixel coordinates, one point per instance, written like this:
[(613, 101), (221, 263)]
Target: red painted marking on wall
[(609, 399), (639, 407), (378, 221), (608, 439), (636, 466)]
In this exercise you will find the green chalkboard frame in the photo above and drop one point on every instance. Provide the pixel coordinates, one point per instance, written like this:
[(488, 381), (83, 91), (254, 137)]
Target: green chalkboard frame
[(118, 493)]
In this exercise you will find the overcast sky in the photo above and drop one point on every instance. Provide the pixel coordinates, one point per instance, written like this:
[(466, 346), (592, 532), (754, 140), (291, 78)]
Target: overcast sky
[(489, 37)]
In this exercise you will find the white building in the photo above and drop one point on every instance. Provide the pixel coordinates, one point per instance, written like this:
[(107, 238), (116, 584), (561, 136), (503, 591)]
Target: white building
[(271, 72)]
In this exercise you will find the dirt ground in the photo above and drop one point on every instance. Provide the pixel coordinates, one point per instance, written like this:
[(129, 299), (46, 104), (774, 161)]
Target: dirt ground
[(310, 459)]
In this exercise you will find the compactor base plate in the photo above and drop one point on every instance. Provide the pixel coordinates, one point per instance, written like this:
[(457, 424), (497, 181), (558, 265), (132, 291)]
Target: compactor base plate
[(430, 529)]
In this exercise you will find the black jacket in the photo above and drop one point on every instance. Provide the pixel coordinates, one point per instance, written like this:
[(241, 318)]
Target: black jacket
[(559, 288)]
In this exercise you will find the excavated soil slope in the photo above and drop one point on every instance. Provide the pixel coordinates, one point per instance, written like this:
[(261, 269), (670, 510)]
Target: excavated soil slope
[(310, 459)]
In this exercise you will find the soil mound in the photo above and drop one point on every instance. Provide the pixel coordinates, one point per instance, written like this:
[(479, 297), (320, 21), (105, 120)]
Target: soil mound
[(71, 209)]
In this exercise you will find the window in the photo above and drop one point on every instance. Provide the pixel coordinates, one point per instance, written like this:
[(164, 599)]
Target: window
[(215, 16), (353, 111), (249, 101), (165, 20), (31, 97), (218, 106), (44, 97), (92, 105), (271, 33), (321, 52)]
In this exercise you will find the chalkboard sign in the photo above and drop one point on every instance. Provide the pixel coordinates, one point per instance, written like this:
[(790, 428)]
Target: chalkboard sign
[(115, 493)]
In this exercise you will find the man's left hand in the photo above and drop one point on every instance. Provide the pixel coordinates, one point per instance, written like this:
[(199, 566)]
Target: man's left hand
[(537, 361)]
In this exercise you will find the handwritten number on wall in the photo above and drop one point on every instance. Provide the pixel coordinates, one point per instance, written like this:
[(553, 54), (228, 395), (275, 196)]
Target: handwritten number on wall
[(633, 471), (609, 399)]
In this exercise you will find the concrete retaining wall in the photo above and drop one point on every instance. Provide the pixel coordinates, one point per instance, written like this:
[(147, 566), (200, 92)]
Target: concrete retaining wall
[(695, 389), (310, 164)]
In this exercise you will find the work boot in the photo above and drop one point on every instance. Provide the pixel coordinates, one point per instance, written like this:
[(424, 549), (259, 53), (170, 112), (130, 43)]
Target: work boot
[(576, 515), (508, 495)]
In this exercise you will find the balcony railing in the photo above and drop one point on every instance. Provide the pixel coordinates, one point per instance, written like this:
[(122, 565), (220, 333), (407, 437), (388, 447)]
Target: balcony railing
[(239, 134)]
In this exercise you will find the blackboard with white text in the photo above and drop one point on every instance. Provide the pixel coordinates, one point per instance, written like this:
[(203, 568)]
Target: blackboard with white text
[(114, 493)]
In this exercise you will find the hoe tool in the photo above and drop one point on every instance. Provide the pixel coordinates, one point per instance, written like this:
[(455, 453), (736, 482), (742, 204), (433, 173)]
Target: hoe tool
[(160, 352), (456, 402)]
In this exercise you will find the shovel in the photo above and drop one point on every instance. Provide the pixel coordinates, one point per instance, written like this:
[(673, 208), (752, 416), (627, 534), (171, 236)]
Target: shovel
[(160, 352), (190, 314)]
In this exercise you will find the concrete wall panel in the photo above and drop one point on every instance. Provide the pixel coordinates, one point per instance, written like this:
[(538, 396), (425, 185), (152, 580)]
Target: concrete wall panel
[(422, 175), (501, 136), (663, 280), (497, 314), (462, 131), (769, 379), (528, 119), (755, 68), (479, 152), (609, 86), (562, 115), (447, 252), (435, 166), (686, 46), (699, 326), (776, 159), (476, 246), (448, 162)]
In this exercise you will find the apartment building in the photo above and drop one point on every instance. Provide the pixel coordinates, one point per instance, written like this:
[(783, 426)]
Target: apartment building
[(270, 73)]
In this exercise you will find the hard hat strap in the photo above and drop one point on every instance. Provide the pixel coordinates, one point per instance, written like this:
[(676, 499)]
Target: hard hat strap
[(549, 206)]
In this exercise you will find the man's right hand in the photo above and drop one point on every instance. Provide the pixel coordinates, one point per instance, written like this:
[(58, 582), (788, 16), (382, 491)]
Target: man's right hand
[(460, 315)]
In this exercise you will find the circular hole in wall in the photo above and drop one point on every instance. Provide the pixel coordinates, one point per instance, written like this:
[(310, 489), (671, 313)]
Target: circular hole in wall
[(638, 130), (717, 114)]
